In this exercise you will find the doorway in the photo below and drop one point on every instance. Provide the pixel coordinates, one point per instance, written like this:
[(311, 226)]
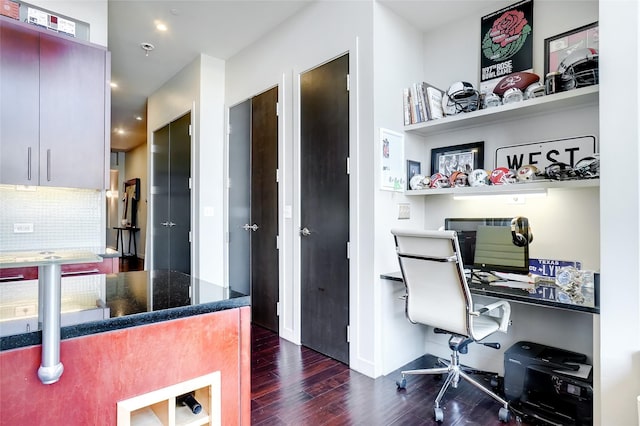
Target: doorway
[(171, 196), (324, 208), (253, 205)]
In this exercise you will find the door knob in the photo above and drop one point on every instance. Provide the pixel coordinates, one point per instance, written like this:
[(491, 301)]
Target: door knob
[(171, 224), (165, 224), (253, 227), (305, 232)]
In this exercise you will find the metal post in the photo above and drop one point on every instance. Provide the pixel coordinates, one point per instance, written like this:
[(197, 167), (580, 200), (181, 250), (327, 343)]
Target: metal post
[(49, 277)]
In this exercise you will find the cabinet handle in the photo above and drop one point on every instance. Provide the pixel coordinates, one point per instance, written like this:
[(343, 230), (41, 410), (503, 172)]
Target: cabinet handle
[(14, 278), (49, 165), (90, 271), (29, 163)]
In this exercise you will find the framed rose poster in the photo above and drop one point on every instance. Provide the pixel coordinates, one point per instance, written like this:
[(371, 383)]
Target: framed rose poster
[(506, 43)]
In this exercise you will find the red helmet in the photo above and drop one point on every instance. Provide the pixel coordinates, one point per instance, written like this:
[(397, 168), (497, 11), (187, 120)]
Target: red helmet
[(502, 175), (439, 180)]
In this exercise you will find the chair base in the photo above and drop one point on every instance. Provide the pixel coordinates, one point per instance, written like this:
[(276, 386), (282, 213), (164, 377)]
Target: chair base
[(455, 372)]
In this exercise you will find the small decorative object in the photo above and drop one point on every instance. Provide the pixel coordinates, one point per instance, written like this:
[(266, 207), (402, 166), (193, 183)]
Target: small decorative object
[(558, 47), (460, 158), (413, 169)]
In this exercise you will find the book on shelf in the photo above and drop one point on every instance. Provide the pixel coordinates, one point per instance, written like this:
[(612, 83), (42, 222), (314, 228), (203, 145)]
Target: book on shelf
[(421, 102)]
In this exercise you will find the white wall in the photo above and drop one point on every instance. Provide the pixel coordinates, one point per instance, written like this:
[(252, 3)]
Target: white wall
[(93, 12), (320, 32), (619, 378), (199, 88)]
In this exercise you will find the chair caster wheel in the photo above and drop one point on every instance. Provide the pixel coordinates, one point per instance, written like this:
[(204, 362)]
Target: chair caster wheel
[(504, 415), (401, 384), (438, 414)]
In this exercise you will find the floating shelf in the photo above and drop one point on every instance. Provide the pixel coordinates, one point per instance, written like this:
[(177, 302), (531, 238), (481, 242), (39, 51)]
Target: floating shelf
[(517, 188), (542, 105)]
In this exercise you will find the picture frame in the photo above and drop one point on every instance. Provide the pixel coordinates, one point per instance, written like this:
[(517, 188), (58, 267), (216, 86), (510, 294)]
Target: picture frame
[(413, 168), (558, 47), (392, 165), (464, 158)]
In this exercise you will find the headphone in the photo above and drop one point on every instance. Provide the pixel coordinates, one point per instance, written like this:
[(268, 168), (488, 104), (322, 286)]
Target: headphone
[(520, 232)]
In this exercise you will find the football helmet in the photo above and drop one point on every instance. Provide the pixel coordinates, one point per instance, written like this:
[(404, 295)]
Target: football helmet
[(588, 167), (559, 171), (527, 173), (419, 182), (439, 180), (501, 176), (458, 178), (491, 100), (579, 69), (512, 95), (461, 97), (478, 177), (535, 90)]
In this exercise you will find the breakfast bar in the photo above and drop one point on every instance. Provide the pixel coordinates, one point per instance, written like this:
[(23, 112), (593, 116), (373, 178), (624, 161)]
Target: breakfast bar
[(160, 329)]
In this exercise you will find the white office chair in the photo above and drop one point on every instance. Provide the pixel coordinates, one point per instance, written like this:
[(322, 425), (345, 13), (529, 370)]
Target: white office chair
[(438, 295)]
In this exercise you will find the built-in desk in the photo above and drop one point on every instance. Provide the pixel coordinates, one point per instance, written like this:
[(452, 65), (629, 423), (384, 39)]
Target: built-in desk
[(535, 317), (543, 296)]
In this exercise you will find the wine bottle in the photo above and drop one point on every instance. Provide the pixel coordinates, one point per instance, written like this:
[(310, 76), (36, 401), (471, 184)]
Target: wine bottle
[(190, 401)]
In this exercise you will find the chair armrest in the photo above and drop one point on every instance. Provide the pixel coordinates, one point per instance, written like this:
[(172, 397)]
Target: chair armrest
[(506, 312)]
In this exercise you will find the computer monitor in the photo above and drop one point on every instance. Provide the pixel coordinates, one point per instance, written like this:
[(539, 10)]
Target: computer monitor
[(466, 230), (495, 251)]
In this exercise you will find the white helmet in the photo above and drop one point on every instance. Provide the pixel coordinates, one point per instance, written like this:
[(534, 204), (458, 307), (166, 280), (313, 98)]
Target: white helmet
[(419, 182), (526, 173), (461, 97), (478, 177)]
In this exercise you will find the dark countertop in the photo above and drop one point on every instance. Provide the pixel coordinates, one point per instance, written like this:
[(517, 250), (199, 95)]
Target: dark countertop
[(144, 297), (544, 295)]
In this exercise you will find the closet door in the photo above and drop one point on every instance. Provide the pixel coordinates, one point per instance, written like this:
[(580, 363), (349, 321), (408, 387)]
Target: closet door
[(264, 210), (171, 195), (324, 208)]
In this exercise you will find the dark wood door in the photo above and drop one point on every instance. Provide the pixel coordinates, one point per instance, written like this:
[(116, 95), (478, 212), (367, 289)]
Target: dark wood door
[(264, 209), (324, 187), (172, 196)]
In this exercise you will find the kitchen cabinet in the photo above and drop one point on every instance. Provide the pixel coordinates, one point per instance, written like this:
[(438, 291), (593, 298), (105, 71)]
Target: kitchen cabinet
[(110, 265), (54, 110)]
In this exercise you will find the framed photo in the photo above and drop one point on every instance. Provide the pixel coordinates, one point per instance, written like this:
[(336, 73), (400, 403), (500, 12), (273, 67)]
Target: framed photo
[(392, 168), (413, 168), (464, 158), (558, 47)]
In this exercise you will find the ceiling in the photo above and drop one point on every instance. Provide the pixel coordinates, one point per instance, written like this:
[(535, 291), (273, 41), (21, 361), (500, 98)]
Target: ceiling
[(218, 28)]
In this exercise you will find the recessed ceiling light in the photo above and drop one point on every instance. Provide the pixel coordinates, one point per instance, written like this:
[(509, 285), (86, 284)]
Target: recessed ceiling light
[(160, 26), (138, 118), (120, 131), (147, 47), (114, 84)]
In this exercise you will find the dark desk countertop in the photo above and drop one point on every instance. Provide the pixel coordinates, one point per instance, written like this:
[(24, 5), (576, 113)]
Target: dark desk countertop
[(144, 297), (544, 296)]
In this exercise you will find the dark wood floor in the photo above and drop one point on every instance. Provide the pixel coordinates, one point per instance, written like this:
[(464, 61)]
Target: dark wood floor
[(292, 385), (130, 263)]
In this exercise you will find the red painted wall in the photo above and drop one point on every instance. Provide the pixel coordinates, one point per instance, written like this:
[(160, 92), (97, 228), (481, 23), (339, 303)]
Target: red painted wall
[(102, 369)]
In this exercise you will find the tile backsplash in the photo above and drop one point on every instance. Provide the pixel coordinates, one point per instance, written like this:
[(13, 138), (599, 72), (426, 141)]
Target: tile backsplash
[(60, 218)]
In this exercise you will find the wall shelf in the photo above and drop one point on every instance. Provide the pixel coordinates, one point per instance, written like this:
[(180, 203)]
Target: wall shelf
[(519, 188), (542, 105), (159, 407)]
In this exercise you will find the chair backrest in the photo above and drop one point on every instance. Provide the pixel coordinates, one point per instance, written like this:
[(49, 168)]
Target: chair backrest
[(437, 290)]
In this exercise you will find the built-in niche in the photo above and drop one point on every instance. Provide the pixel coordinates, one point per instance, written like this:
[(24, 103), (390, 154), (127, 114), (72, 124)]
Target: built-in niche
[(130, 199)]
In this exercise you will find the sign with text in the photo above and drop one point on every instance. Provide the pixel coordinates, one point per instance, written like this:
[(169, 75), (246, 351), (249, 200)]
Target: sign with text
[(542, 154), (506, 43)]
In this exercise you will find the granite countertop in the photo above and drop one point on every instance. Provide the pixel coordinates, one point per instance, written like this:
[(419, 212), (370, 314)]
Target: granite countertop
[(144, 297)]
